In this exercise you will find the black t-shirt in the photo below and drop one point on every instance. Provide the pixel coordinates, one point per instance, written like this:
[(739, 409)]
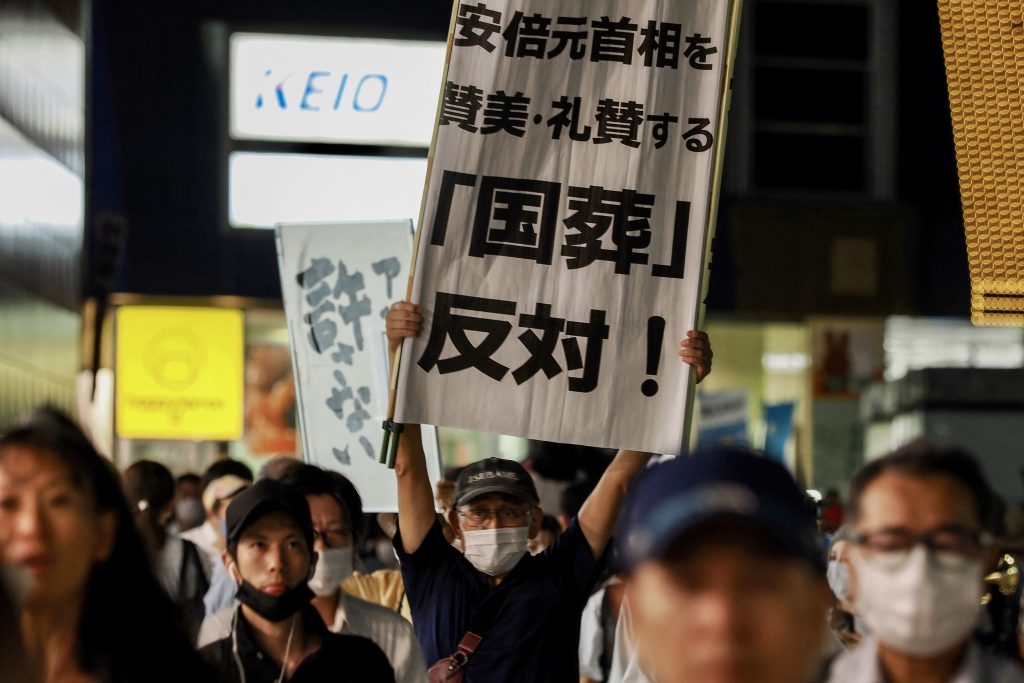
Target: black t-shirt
[(535, 637), (340, 659)]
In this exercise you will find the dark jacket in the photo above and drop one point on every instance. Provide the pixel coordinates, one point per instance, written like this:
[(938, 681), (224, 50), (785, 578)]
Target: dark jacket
[(340, 659)]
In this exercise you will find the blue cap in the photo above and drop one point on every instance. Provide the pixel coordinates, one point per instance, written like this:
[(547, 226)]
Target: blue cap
[(674, 497)]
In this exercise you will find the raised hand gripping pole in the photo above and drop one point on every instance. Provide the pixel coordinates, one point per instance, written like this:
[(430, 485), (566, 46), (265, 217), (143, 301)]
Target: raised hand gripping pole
[(392, 429)]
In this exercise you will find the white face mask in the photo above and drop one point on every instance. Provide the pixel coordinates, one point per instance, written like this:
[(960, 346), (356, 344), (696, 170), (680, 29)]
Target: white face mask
[(922, 607), (496, 551), (839, 579), (333, 566)]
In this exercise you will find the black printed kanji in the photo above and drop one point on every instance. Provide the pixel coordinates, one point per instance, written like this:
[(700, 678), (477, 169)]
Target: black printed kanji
[(675, 268), (477, 25), (323, 331), (660, 130), (699, 138), (450, 180), (595, 331), (516, 218), (448, 325), (541, 348), (627, 213), (390, 268), (568, 118), (698, 52), (619, 121), (527, 36), (612, 41), (507, 113), (660, 46), (574, 40), (350, 286), (461, 104)]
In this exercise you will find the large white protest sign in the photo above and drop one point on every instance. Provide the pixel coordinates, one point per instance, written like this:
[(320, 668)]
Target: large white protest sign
[(337, 282), (561, 254)]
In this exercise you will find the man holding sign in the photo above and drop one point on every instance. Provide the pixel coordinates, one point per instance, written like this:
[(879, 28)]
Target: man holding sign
[(496, 612)]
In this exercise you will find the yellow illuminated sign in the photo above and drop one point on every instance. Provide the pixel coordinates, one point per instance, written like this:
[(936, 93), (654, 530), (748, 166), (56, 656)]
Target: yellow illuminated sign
[(179, 373)]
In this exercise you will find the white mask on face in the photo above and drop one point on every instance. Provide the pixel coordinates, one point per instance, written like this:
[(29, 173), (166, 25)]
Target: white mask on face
[(922, 607), (839, 579), (333, 566), (496, 551)]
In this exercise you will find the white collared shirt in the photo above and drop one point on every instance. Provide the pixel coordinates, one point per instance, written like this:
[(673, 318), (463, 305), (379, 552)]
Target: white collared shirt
[(861, 665)]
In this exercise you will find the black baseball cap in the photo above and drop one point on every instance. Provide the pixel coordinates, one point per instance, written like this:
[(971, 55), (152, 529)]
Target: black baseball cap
[(494, 475), (672, 498), (262, 498)]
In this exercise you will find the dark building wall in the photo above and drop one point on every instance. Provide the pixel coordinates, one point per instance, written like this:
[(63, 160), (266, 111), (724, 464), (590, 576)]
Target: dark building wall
[(162, 65)]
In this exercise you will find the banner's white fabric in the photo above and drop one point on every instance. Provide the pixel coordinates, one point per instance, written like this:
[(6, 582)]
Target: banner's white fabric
[(564, 225), (337, 282)]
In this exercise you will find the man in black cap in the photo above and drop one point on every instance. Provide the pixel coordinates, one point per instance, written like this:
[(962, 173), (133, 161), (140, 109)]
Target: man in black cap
[(724, 575), (495, 612), (275, 632)]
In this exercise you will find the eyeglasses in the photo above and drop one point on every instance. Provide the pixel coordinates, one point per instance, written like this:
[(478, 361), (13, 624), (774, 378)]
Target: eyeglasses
[(479, 517), (948, 545), (333, 537)]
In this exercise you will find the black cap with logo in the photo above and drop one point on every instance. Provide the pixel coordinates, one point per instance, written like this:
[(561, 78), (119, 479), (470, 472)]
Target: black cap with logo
[(495, 475)]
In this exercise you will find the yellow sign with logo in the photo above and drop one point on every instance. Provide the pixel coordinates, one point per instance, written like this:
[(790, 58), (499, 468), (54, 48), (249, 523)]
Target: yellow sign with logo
[(179, 373)]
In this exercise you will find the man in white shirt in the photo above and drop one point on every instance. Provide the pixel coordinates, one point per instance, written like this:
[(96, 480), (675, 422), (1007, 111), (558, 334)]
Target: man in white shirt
[(918, 557)]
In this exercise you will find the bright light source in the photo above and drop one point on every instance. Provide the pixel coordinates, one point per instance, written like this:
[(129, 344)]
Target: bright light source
[(784, 363), (815, 494), (266, 189)]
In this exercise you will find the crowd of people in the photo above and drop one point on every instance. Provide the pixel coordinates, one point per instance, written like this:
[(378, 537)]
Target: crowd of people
[(704, 568)]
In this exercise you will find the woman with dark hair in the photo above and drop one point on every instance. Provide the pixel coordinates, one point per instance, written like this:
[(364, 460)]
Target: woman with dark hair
[(179, 565), (94, 611)]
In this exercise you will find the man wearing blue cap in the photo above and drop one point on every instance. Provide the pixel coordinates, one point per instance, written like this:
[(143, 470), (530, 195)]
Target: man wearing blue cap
[(496, 614), (724, 577)]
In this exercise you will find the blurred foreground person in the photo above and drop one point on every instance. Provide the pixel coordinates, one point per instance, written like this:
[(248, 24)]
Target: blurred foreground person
[(918, 559), (94, 610), (725, 582), (276, 634)]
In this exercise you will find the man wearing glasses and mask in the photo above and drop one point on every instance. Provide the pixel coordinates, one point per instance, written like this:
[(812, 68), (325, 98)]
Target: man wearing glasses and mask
[(497, 614), (918, 556)]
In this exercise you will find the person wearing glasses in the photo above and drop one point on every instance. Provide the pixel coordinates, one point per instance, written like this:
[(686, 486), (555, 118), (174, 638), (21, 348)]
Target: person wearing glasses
[(525, 607), (918, 556)]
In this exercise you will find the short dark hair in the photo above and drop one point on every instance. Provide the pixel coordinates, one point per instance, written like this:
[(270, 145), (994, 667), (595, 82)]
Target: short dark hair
[(922, 458), (187, 478), (310, 480), (574, 496), (222, 468)]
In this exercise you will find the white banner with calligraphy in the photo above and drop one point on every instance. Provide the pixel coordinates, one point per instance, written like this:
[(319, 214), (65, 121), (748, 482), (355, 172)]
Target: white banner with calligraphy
[(337, 282), (561, 254)]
